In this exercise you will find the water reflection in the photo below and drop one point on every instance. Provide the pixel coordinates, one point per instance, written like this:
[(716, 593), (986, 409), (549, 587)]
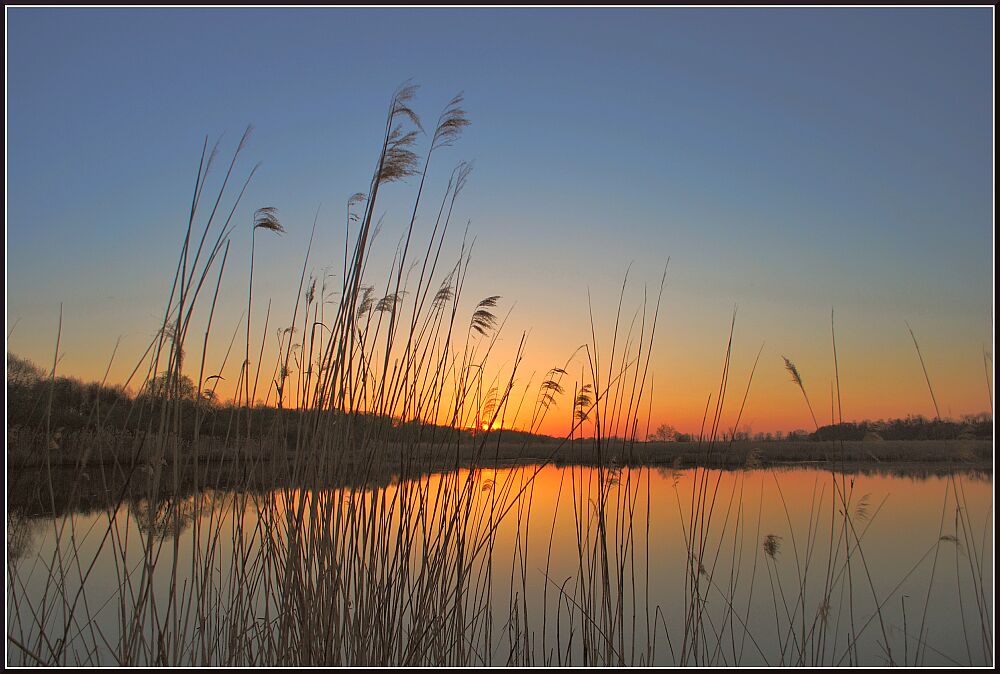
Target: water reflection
[(21, 534), (530, 565), (162, 518)]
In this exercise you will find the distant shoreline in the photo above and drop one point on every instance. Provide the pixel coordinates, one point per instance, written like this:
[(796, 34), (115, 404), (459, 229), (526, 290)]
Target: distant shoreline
[(486, 451), (88, 487)]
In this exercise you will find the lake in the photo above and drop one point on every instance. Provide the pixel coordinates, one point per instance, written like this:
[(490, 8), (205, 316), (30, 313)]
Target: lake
[(527, 565)]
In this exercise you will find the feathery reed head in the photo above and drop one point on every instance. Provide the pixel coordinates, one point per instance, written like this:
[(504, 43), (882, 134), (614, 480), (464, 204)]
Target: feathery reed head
[(489, 406), (450, 123), (401, 104), (390, 301), (552, 385), (399, 160), (367, 300), (550, 388), (582, 402), (483, 320), (443, 295), (356, 198), (267, 218), (792, 370)]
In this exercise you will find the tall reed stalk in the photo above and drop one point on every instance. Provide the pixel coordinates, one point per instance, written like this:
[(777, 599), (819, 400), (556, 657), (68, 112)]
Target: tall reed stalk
[(366, 521)]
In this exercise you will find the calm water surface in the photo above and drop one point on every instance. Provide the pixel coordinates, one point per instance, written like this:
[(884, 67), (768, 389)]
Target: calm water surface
[(577, 552)]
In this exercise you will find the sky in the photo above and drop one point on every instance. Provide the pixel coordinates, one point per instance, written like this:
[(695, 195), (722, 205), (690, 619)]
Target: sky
[(787, 162)]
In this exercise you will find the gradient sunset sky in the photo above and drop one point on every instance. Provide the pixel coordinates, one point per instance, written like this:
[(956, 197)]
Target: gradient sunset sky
[(786, 160)]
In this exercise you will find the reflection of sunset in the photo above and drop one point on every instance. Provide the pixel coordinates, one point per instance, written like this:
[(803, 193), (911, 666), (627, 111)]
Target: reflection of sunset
[(768, 522)]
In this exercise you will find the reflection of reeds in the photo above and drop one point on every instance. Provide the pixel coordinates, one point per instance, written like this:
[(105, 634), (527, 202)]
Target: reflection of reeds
[(772, 544)]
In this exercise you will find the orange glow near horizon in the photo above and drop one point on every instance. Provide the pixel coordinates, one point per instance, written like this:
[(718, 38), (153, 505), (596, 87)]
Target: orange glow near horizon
[(773, 403), (880, 376)]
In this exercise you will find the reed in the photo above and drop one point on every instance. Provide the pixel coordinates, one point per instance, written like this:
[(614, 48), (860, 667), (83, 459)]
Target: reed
[(368, 522), (923, 366)]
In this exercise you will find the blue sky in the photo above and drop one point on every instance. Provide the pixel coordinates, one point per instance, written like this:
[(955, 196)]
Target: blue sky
[(787, 160)]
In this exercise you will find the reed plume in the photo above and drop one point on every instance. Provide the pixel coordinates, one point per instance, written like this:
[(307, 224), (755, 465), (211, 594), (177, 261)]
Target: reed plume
[(484, 320), (797, 378), (265, 218)]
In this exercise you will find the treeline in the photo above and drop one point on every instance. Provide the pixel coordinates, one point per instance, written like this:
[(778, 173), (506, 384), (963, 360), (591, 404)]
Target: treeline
[(72, 406), (969, 427)]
